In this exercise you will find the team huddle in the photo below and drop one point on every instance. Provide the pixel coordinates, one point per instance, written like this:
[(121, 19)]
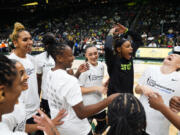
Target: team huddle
[(42, 95)]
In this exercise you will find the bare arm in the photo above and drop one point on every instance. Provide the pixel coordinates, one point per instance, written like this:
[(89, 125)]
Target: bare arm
[(143, 89), (30, 128), (86, 111), (157, 103), (100, 89)]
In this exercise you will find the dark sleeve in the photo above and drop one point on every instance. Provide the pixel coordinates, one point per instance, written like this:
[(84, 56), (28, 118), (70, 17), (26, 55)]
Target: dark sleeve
[(109, 53), (137, 40)]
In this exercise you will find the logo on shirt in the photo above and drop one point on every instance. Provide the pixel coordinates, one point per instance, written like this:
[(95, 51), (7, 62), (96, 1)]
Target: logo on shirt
[(173, 80), (95, 77), (154, 84), (126, 66)]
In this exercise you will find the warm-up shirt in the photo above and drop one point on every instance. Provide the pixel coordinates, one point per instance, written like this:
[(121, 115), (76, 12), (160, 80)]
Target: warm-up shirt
[(92, 77), (64, 92), (30, 97), (16, 120), (120, 70), (167, 85), (43, 65)]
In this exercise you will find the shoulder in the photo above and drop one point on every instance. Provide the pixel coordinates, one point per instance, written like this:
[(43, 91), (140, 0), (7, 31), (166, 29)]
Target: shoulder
[(41, 55), (11, 56), (100, 64)]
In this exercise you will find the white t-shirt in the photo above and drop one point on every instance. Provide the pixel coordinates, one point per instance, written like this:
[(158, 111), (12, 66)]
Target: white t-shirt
[(4, 130), (64, 92), (43, 65), (92, 77), (167, 85), (30, 97), (17, 119)]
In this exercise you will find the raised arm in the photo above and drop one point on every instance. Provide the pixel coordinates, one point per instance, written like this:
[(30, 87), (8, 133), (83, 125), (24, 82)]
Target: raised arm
[(109, 49), (136, 38)]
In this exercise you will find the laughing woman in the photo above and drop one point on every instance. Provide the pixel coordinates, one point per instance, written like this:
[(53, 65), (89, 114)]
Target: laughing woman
[(23, 42), (12, 81), (119, 59)]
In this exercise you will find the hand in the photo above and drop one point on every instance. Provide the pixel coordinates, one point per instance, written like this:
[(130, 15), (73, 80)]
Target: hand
[(45, 124), (70, 71), (175, 104), (156, 101), (83, 68), (57, 120), (147, 91), (114, 31), (101, 89), (121, 29)]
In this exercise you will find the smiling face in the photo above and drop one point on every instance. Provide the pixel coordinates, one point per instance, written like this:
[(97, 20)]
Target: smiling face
[(11, 94), (24, 42), (23, 75), (172, 60), (126, 50), (92, 55)]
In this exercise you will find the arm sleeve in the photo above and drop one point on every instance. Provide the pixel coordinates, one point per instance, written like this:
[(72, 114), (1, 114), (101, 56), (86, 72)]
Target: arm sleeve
[(137, 40), (9, 120), (74, 95), (38, 65), (109, 52)]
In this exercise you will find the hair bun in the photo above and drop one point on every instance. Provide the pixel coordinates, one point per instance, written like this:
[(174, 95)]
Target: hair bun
[(18, 26), (48, 38)]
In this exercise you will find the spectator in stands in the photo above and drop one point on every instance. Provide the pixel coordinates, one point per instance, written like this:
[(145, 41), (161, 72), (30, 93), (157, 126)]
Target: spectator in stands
[(152, 44)]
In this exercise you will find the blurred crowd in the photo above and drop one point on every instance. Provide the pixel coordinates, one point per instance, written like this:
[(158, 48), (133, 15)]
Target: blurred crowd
[(158, 25)]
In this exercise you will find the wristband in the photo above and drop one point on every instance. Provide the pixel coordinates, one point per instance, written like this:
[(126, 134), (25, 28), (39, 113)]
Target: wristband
[(126, 30)]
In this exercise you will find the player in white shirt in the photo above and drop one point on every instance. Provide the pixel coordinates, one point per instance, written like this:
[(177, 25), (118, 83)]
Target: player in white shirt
[(16, 120), (64, 92), (22, 41), (44, 63), (92, 88), (164, 80), (10, 90)]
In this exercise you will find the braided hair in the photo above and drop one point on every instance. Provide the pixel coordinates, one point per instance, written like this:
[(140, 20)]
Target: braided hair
[(126, 116), (54, 47), (8, 71)]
